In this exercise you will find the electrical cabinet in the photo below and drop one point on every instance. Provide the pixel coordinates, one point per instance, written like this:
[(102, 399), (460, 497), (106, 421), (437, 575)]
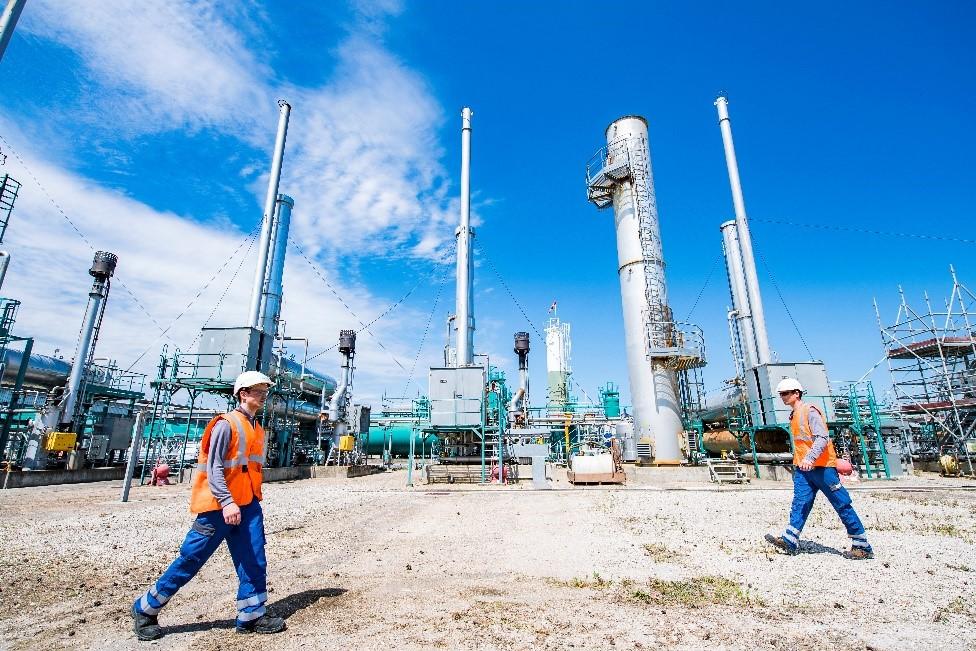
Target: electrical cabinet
[(456, 396)]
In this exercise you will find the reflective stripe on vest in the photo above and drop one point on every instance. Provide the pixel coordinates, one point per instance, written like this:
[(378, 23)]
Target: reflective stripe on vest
[(242, 466), (803, 437)]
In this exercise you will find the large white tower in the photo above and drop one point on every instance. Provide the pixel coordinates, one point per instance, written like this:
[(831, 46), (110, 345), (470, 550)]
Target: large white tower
[(620, 175)]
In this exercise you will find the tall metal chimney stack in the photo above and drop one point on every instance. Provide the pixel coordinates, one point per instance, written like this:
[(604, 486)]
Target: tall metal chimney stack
[(464, 298), (740, 297), (757, 317), (8, 20), (102, 270), (622, 177), (264, 244), (63, 414), (272, 295)]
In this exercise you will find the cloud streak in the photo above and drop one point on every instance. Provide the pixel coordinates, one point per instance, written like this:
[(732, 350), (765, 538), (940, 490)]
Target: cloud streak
[(362, 161)]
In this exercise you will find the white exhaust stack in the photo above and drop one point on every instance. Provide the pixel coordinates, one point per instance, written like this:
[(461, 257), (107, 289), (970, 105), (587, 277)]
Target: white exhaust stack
[(261, 271), (740, 297), (748, 262), (465, 262), (271, 302)]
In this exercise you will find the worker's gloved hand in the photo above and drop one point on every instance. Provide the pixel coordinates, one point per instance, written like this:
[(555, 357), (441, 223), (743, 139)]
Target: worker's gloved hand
[(232, 514)]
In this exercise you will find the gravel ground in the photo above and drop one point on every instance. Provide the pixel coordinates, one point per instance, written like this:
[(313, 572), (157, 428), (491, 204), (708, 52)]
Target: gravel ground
[(368, 564)]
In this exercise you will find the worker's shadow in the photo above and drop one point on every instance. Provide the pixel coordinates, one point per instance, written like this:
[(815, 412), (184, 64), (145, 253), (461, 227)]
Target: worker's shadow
[(810, 547), (283, 608)]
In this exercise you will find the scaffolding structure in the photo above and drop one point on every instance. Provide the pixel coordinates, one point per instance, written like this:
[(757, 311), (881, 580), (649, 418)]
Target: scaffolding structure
[(931, 356)]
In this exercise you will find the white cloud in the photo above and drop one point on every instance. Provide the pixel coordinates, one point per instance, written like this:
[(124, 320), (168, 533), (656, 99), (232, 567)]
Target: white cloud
[(159, 65), (365, 160), (362, 161), (164, 259)]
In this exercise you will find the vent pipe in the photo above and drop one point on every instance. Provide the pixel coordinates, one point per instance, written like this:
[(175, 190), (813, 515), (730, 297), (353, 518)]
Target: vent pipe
[(745, 240), (264, 244), (8, 20), (271, 310), (740, 296), (464, 298)]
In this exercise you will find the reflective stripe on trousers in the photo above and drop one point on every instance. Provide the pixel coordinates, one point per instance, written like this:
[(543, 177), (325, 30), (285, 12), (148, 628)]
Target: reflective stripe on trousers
[(246, 545), (806, 485)]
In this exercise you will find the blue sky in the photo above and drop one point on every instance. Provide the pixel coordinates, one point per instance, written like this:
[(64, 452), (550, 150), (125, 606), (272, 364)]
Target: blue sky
[(151, 124)]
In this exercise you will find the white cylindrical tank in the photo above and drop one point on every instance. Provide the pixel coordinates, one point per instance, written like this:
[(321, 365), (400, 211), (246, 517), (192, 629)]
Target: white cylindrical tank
[(598, 464), (647, 318), (558, 350)]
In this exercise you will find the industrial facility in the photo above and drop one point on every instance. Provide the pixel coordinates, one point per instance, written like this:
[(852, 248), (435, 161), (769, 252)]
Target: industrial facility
[(474, 425), (457, 387)]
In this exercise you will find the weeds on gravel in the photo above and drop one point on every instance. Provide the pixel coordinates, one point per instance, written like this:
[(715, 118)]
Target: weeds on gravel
[(660, 553), (695, 592), (958, 606), (597, 582), (959, 568), (950, 530)]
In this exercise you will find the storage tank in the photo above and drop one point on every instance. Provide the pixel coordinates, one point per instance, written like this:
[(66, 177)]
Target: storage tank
[(398, 438), (43, 371)]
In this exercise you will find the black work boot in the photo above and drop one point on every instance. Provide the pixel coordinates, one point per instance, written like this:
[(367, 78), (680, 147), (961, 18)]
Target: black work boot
[(782, 545), (263, 624), (146, 627)]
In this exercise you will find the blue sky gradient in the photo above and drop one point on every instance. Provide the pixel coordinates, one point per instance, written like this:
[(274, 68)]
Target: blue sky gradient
[(845, 117)]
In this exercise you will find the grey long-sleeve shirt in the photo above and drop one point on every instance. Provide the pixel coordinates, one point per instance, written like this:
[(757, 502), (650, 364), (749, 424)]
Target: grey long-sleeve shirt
[(219, 443), (820, 435)]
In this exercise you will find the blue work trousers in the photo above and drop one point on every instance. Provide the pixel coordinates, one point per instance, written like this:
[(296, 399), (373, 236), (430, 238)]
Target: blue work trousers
[(806, 485), (246, 544)]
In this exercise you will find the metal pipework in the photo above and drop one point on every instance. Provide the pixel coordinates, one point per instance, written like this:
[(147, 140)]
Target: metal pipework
[(8, 20), (340, 399), (4, 263), (271, 301), (521, 400), (102, 269), (464, 300), (745, 240), (264, 244), (740, 296)]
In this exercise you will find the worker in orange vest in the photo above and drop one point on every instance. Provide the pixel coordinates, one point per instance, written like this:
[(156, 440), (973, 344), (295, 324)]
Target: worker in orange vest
[(226, 498), (815, 470)]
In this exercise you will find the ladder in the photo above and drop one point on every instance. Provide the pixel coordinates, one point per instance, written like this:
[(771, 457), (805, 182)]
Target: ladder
[(9, 188), (657, 320), (694, 454), (726, 471)]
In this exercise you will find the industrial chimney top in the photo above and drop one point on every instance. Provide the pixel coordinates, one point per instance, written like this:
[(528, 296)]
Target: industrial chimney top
[(103, 266)]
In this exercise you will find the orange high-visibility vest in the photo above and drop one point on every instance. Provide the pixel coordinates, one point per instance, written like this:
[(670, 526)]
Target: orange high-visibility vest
[(243, 464), (803, 438)]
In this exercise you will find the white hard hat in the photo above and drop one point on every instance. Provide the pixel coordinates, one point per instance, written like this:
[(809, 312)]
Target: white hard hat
[(249, 379), (788, 384)]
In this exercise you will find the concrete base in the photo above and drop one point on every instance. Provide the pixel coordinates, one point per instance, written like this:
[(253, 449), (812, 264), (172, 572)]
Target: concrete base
[(29, 478), (596, 477), (657, 475), (769, 472), (362, 471)]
